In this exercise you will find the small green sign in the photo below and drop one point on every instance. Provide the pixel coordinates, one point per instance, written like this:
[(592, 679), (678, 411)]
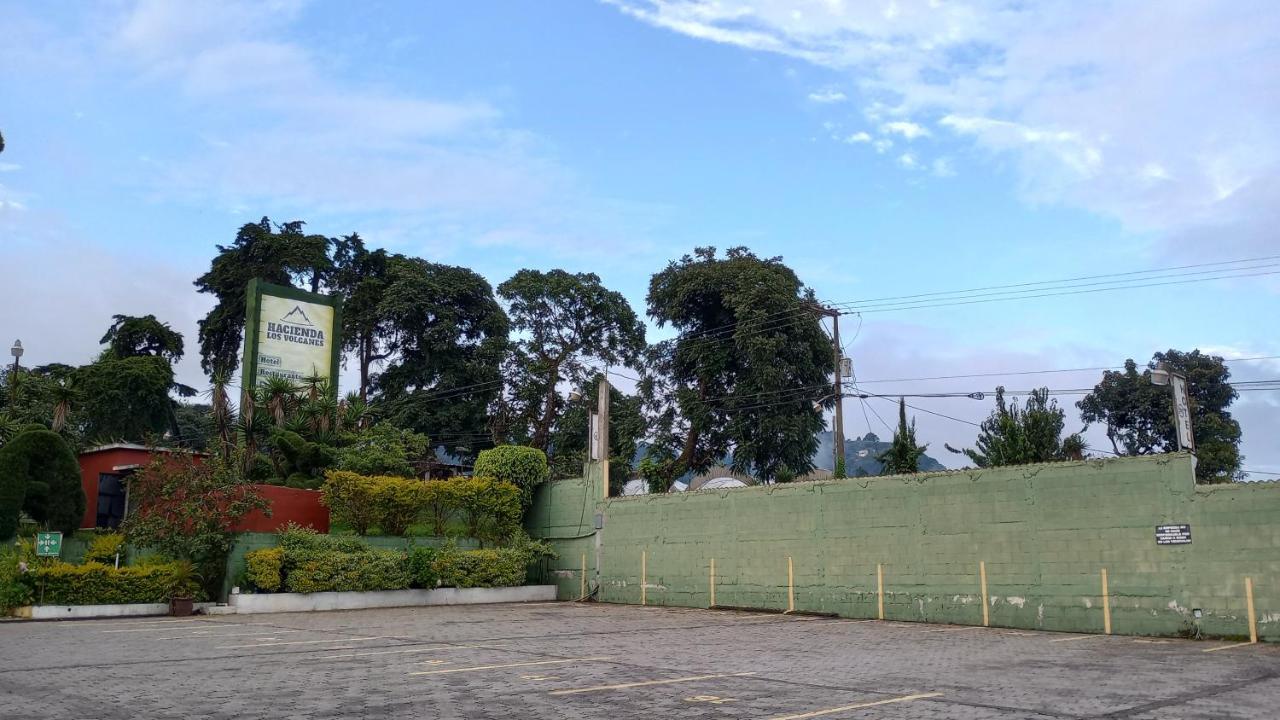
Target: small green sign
[(49, 544)]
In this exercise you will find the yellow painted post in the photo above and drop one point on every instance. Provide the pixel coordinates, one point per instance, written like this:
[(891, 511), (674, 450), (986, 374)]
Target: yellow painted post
[(713, 582), (644, 574), (583, 594), (1253, 620), (880, 590), (1106, 604), (791, 587), (982, 572)]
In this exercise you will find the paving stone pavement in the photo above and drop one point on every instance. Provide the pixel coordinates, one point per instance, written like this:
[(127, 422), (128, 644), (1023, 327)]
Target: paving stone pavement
[(563, 660)]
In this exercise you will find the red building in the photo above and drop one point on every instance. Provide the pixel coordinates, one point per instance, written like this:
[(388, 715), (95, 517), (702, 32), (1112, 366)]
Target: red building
[(104, 473)]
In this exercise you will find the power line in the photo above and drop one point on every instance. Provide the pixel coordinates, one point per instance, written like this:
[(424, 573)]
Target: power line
[(1040, 372)]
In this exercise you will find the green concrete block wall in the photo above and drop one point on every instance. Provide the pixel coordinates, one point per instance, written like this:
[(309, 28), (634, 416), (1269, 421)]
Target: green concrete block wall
[(1045, 533)]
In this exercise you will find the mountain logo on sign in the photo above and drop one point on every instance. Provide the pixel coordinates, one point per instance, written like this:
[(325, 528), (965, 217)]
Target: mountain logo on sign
[(292, 315)]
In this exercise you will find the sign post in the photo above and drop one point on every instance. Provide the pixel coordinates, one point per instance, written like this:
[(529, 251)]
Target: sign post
[(49, 544), (290, 333), (1182, 412)]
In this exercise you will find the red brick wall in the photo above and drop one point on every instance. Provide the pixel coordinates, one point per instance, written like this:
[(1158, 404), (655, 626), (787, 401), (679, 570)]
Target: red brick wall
[(287, 505)]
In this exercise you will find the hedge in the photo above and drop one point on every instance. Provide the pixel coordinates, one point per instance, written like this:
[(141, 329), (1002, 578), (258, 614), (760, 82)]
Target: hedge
[(339, 572), (490, 507), (265, 568), (96, 583), (39, 474), (524, 467), (502, 567), (13, 592)]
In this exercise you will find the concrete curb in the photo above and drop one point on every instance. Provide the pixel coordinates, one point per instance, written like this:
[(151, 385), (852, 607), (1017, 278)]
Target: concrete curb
[(85, 612), (313, 602)]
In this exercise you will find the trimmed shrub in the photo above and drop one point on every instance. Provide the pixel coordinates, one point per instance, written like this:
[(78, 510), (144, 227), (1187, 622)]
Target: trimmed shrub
[(397, 503), (342, 572), (13, 591), (524, 467), (104, 547), (422, 569), (440, 502), (100, 584), (265, 568), (39, 474), (501, 567), (349, 498), (491, 508)]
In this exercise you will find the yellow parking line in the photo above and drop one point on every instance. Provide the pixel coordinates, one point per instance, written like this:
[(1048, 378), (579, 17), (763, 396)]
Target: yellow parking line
[(508, 665), (849, 622), (959, 629), (153, 622), (166, 628), (298, 642), (845, 708), (1227, 647), (435, 648), (646, 683), (1076, 637), (198, 634)]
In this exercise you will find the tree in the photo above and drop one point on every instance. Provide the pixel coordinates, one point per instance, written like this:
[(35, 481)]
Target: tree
[(186, 508), (131, 336), (361, 277), (1018, 436), (567, 318), (903, 455), (39, 475), (195, 426), (126, 398), (1139, 415), (524, 467), (746, 371), (277, 254), (570, 435), (451, 337), (382, 449)]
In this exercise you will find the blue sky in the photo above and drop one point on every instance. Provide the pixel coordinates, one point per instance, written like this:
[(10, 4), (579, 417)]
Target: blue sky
[(882, 148)]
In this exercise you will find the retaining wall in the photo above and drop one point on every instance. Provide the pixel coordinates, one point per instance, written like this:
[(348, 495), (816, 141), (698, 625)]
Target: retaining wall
[(1044, 533)]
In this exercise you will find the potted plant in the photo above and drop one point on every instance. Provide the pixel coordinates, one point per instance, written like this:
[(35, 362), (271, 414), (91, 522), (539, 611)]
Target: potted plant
[(182, 589)]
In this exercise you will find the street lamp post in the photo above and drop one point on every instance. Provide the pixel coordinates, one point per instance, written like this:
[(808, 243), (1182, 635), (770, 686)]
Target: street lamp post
[(16, 351), (1177, 382)]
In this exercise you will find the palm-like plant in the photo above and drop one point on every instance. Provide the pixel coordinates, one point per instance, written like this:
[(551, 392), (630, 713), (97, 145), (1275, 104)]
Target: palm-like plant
[(9, 426), (315, 385), (223, 414), (353, 413), (251, 429), (279, 395), (64, 394)]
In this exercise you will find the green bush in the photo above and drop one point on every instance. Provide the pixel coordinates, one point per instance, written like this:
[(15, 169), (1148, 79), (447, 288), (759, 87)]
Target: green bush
[(350, 499), (500, 567), (264, 569), (100, 584), (343, 572), (397, 503), (104, 547), (302, 462), (13, 591), (422, 569), (524, 467), (491, 508), (39, 474)]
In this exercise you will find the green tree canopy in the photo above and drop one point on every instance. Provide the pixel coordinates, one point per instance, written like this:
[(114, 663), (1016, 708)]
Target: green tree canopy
[(283, 255), (361, 276), (746, 371), (39, 474), (451, 337), (131, 336), (570, 435), (903, 455), (1139, 415), (566, 319), (125, 398), (1018, 436)]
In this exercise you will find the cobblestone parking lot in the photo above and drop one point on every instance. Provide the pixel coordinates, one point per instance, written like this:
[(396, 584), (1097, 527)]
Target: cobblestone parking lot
[(564, 660)]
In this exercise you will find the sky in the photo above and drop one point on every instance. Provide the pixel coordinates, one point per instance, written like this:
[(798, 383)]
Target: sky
[(881, 148)]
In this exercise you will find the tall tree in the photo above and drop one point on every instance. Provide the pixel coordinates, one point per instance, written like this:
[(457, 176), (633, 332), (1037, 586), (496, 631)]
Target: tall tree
[(1018, 436), (567, 319), (903, 455), (570, 434), (451, 337), (1139, 415), (361, 276), (283, 255), (131, 336), (126, 398), (746, 372)]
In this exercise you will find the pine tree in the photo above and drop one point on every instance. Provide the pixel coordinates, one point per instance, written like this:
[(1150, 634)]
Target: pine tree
[(903, 455)]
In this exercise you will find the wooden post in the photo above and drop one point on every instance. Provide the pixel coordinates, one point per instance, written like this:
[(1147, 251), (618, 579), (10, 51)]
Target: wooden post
[(602, 410), (791, 587), (713, 583), (644, 575), (1253, 619), (1106, 604), (880, 590), (583, 589), (982, 572)]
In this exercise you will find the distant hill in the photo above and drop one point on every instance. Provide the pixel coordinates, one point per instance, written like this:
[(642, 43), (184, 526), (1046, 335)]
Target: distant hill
[(860, 453)]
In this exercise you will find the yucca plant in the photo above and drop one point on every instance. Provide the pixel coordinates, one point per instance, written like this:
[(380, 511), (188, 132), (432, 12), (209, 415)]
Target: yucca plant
[(221, 410), (279, 395), (64, 394)]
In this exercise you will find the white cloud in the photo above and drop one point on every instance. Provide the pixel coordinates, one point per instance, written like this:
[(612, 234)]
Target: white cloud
[(908, 161), (827, 96), (882, 145), (9, 167), (943, 168), (1056, 87), (858, 137), (905, 128)]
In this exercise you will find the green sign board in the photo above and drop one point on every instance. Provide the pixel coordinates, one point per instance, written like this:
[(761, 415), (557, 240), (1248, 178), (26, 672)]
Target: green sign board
[(49, 544), (290, 333)]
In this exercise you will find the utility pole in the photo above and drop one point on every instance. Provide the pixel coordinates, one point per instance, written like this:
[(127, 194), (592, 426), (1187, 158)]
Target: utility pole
[(602, 413), (837, 389)]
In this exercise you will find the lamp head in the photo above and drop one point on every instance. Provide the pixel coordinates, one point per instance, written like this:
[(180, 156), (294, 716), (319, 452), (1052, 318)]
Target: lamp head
[(16, 350), (1160, 375)]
